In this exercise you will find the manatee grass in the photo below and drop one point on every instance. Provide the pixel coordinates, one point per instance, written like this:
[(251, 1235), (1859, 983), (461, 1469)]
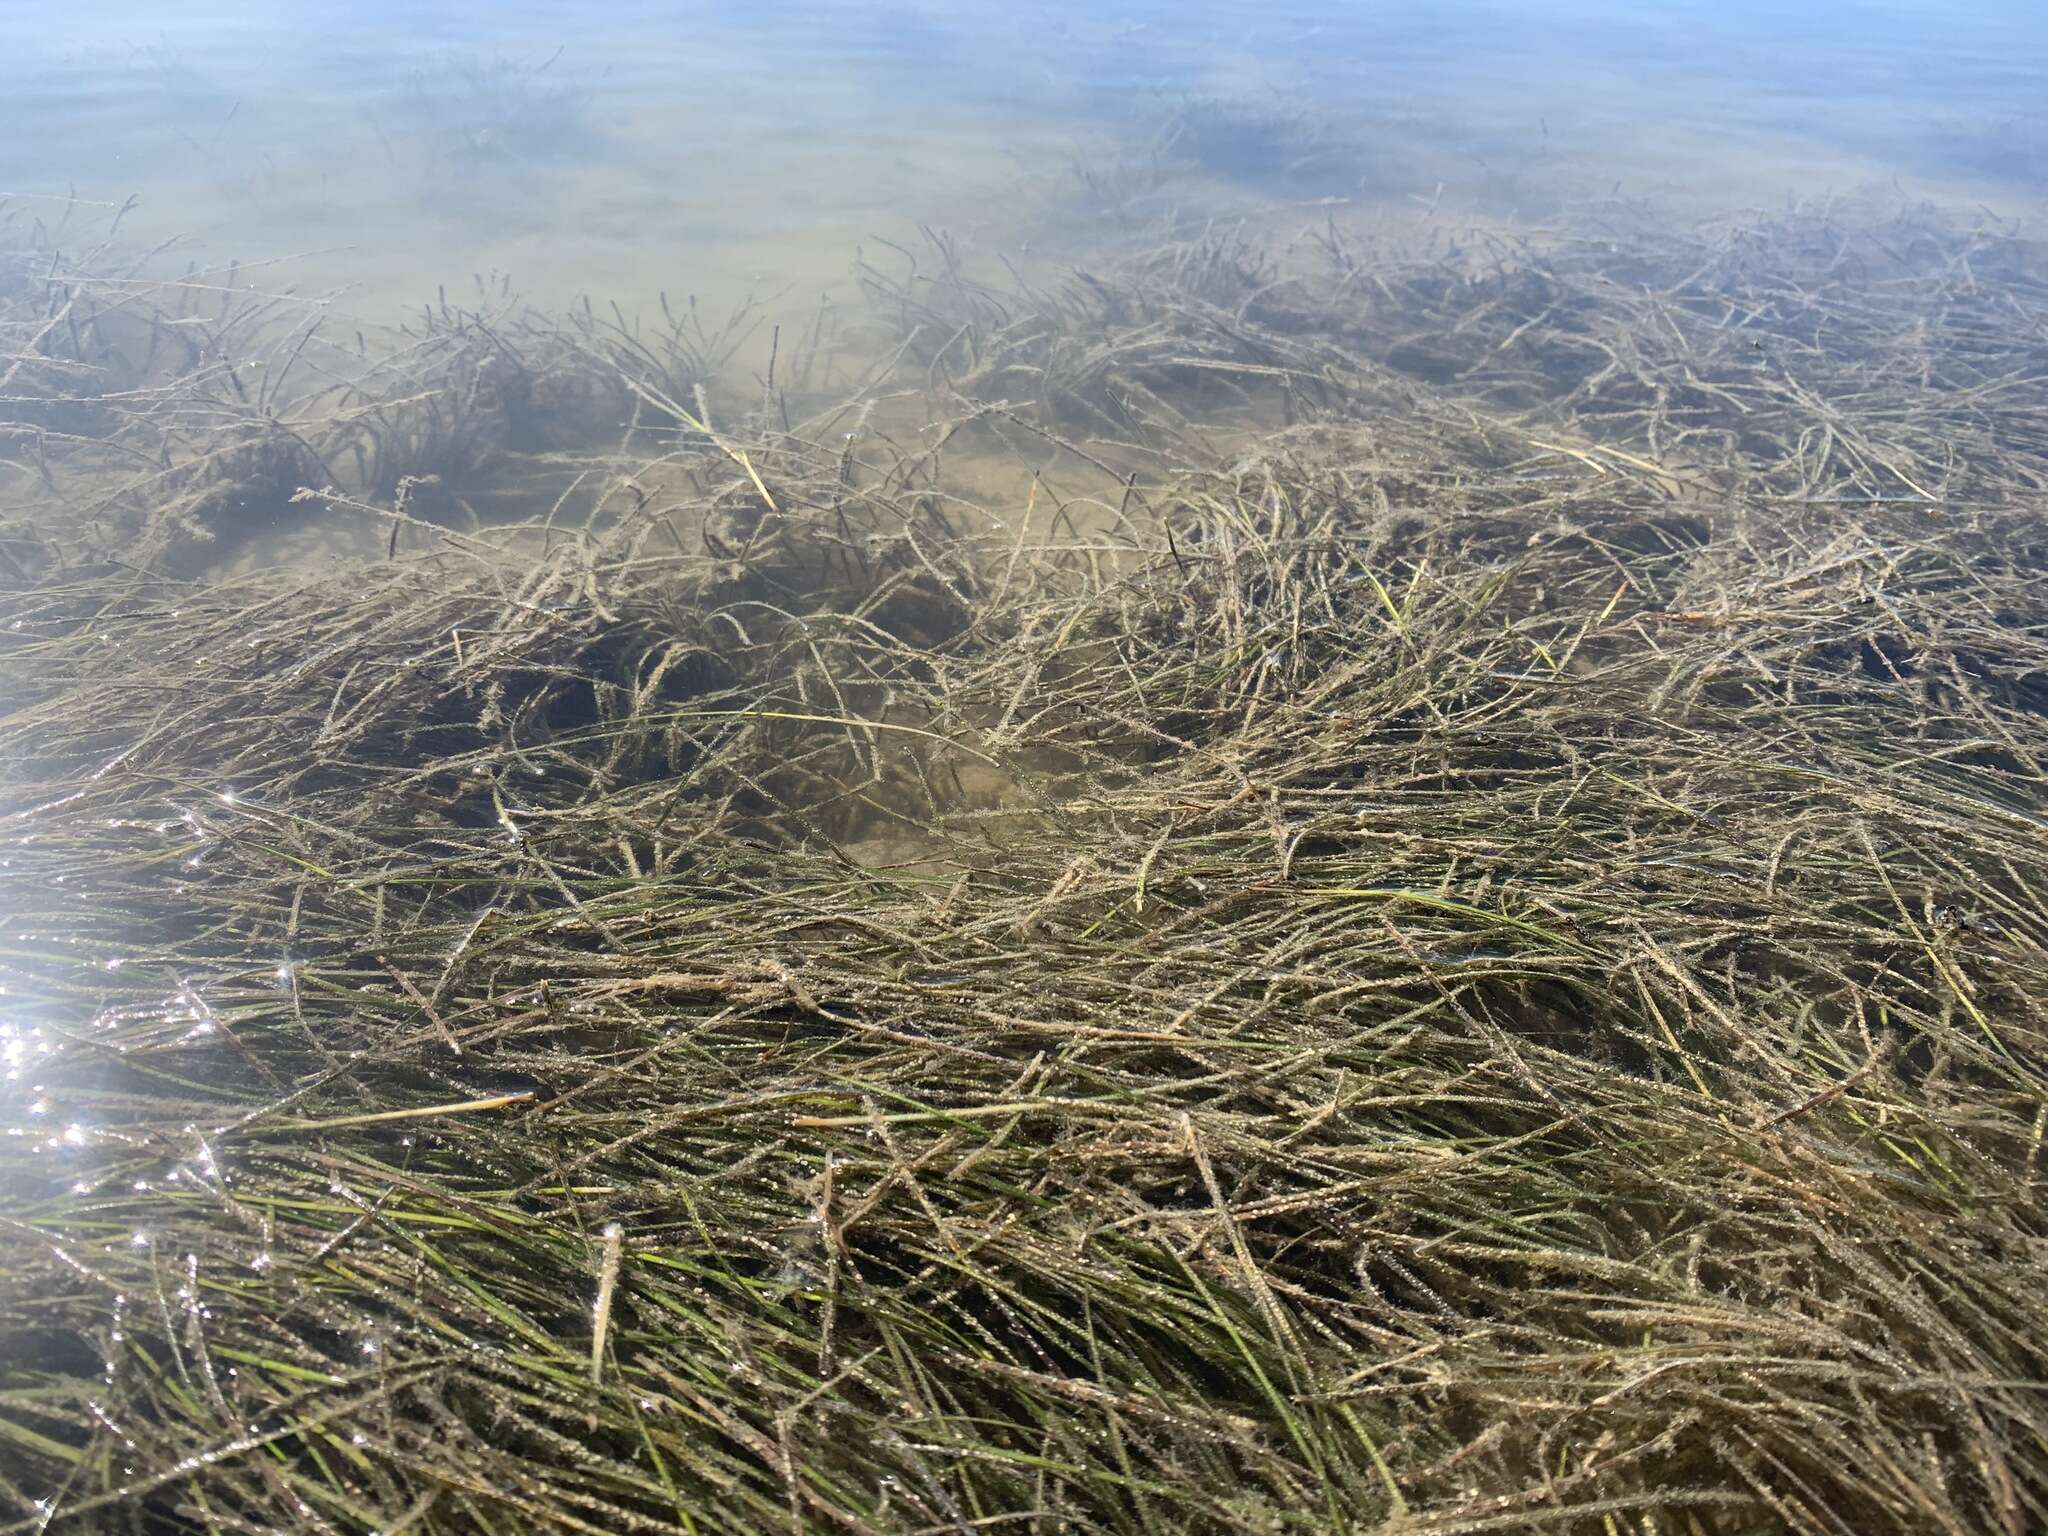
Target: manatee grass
[(1434, 919)]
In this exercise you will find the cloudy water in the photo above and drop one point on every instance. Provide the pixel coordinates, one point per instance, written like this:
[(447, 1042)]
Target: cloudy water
[(626, 149)]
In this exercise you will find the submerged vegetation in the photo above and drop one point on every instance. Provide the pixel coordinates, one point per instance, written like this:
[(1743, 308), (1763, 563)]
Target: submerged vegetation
[(1321, 884), (452, 118)]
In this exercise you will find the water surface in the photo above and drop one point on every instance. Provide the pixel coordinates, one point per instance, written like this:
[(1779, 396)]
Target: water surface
[(726, 149)]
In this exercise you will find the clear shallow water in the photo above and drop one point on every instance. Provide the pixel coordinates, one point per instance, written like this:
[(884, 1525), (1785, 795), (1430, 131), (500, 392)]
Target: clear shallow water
[(394, 151), (725, 149)]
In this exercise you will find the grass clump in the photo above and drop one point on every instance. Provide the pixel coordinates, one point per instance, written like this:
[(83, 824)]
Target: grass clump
[(172, 421), (1449, 938)]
